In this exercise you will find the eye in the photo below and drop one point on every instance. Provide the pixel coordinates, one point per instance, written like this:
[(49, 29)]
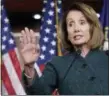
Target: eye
[(70, 24), (82, 22)]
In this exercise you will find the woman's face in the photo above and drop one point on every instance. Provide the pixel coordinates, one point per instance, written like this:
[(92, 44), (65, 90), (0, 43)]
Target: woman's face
[(78, 28)]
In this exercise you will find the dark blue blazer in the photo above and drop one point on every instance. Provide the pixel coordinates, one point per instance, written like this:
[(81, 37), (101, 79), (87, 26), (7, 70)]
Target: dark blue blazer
[(73, 75)]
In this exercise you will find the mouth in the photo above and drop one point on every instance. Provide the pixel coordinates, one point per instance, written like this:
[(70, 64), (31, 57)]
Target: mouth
[(77, 37)]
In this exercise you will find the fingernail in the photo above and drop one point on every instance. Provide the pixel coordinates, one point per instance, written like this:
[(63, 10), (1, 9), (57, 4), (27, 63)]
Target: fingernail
[(26, 27), (30, 30)]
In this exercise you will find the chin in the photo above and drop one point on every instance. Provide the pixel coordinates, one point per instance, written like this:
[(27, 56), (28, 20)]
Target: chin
[(78, 43)]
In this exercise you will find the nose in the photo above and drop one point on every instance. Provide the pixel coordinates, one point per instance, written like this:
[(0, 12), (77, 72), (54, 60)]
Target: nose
[(76, 28)]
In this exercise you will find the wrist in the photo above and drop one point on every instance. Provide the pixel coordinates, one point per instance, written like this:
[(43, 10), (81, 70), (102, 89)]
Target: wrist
[(27, 76), (29, 72)]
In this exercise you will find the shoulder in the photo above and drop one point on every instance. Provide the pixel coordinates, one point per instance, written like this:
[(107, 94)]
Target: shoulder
[(100, 57), (100, 54), (61, 61), (97, 57)]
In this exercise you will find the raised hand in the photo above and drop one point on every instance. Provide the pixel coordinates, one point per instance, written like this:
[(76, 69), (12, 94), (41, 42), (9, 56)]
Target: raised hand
[(29, 46)]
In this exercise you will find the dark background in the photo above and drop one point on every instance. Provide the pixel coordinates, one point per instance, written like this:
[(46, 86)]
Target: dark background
[(20, 12)]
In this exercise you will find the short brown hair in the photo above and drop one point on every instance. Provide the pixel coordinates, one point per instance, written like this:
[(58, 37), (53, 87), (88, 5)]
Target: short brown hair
[(96, 32)]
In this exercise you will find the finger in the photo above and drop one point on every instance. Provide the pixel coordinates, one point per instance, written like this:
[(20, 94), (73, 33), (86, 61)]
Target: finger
[(33, 37), (24, 37), (38, 49), (27, 35), (21, 42), (21, 39)]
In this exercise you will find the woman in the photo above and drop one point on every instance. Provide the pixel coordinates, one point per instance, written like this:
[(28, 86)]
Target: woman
[(84, 70)]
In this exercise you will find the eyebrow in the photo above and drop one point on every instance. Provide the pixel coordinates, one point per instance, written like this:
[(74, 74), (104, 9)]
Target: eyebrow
[(83, 17), (68, 19)]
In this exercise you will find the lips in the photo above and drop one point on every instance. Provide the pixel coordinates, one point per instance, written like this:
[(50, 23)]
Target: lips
[(77, 37)]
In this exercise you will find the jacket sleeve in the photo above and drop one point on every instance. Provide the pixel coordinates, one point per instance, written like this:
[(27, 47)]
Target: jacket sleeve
[(44, 84)]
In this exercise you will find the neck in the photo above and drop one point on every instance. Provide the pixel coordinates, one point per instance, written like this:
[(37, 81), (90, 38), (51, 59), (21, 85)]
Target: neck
[(84, 50)]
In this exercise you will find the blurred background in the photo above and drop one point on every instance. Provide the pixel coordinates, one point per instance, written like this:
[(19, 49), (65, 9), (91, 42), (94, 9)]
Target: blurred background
[(21, 12)]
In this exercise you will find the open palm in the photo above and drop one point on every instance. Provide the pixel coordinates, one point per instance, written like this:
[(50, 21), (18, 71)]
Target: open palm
[(29, 48)]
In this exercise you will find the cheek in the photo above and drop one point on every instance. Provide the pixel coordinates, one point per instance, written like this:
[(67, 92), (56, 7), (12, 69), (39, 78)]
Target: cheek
[(87, 36), (70, 32), (87, 32)]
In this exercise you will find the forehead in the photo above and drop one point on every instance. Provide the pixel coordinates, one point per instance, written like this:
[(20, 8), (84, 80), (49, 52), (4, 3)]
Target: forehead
[(75, 14)]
